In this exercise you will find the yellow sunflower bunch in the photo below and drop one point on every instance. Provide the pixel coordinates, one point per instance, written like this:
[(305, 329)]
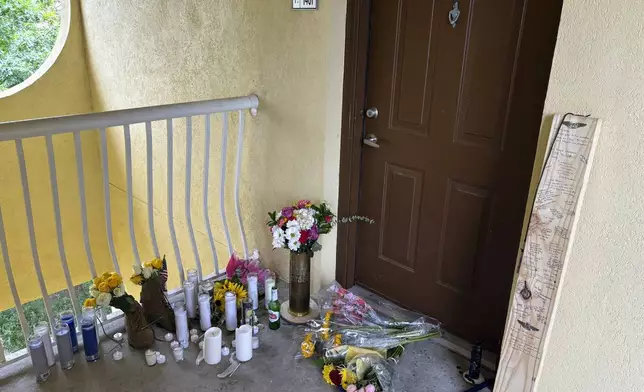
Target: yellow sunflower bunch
[(339, 376), (337, 340), (326, 325), (307, 347), (219, 292)]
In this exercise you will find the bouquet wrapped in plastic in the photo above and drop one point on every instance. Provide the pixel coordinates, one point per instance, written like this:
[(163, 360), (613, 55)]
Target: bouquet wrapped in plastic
[(357, 342)]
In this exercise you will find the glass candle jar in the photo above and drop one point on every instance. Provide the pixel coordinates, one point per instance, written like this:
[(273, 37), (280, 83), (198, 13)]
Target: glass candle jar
[(253, 293), (206, 287), (190, 296), (204, 311), (231, 311), (64, 344), (90, 338), (192, 275), (38, 357), (68, 318), (42, 329), (181, 323)]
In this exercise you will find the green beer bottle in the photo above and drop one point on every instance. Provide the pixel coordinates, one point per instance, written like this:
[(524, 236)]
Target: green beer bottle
[(274, 310)]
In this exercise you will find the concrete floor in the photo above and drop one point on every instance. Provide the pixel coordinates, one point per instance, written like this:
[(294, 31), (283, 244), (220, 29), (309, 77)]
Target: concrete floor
[(425, 366)]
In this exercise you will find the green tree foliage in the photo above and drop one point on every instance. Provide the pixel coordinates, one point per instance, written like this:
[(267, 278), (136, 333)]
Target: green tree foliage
[(28, 31)]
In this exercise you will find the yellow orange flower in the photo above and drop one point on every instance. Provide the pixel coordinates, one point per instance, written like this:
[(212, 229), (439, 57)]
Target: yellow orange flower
[(97, 281), (326, 373), (105, 276), (337, 340), (136, 279), (157, 264), (348, 377), (114, 281), (307, 347), (90, 303), (221, 288), (104, 287)]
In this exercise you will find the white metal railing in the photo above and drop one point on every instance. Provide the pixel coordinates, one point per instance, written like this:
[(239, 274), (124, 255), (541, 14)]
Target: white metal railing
[(20, 130)]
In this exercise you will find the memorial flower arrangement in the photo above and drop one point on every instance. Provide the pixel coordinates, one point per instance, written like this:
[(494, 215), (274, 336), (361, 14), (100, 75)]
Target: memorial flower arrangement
[(298, 227), (149, 270), (356, 345), (108, 290), (238, 269), (223, 286)]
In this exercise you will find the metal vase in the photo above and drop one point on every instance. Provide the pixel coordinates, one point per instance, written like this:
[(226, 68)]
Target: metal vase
[(300, 284)]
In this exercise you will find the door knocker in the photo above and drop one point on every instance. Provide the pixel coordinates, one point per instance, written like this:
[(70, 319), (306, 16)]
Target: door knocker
[(454, 14)]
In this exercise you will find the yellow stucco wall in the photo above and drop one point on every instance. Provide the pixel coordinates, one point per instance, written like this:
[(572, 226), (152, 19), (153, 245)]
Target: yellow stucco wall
[(149, 52), (63, 89), (596, 342)]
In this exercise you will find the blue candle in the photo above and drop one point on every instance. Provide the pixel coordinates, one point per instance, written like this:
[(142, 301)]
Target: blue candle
[(90, 340), (67, 317)]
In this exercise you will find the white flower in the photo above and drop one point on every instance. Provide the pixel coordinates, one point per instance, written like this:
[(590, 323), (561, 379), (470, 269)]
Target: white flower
[(293, 223), (255, 255), (278, 237), (119, 291), (93, 291), (104, 299), (137, 269), (305, 218), (147, 272), (294, 245), (278, 215), (293, 234)]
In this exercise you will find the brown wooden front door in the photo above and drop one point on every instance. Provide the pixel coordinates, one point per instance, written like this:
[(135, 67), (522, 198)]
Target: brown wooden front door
[(440, 185)]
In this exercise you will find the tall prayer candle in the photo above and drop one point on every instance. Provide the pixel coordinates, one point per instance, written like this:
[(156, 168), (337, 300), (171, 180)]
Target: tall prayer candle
[(67, 317), (253, 294), (231, 311), (204, 311), (269, 283), (90, 338), (64, 344), (181, 323), (38, 357), (189, 292), (42, 329)]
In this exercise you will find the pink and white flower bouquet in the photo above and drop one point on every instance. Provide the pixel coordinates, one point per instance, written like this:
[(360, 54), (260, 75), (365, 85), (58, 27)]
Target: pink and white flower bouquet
[(299, 226)]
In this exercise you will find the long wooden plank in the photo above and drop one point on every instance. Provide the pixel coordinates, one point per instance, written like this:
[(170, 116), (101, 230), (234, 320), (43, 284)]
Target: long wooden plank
[(553, 221)]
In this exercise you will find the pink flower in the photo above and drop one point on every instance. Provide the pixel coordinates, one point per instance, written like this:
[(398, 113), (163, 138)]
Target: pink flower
[(313, 233), (352, 388), (360, 390), (369, 388), (233, 263), (287, 212), (303, 203)]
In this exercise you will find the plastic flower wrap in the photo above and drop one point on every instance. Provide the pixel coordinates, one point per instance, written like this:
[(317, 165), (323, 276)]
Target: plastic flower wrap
[(238, 269), (157, 268)]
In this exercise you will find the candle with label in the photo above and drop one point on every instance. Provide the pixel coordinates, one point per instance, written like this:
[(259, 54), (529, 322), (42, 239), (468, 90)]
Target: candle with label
[(42, 329), (268, 285), (38, 357), (231, 311), (181, 323), (67, 317), (90, 337), (64, 345), (253, 294), (189, 293), (204, 311)]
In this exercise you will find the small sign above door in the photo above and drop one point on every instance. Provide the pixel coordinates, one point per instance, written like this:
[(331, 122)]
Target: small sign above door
[(305, 4)]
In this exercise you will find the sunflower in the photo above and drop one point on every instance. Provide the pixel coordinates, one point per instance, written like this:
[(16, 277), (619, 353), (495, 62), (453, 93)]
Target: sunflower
[(331, 375), (348, 377), (224, 286)]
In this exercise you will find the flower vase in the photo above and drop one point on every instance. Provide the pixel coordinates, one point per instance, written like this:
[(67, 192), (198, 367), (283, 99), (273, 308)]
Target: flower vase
[(300, 284), (139, 334), (156, 308)]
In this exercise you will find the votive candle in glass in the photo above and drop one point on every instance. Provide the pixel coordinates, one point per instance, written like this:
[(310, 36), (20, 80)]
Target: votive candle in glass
[(181, 324), (38, 357), (67, 317), (42, 329), (253, 294), (204, 311), (206, 287), (192, 275), (90, 339), (231, 311), (189, 293), (64, 344)]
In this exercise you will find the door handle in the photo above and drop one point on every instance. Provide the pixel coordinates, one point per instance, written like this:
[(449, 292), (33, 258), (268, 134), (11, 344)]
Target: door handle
[(372, 113), (371, 140)]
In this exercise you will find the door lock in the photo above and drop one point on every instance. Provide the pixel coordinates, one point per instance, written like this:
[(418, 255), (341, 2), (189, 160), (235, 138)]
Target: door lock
[(371, 140), (372, 113)]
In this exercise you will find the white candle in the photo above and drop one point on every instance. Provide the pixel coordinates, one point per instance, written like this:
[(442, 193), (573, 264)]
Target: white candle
[(181, 323), (204, 311), (150, 357), (252, 290), (212, 346), (268, 285), (177, 353), (244, 343), (231, 311), (189, 293), (42, 329)]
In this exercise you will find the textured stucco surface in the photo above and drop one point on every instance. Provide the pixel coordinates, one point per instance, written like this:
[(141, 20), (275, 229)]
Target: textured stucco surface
[(596, 342), (62, 90), (149, 52)]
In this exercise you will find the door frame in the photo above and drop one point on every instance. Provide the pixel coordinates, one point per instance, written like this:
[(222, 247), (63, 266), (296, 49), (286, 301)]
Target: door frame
[(537, 39)]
